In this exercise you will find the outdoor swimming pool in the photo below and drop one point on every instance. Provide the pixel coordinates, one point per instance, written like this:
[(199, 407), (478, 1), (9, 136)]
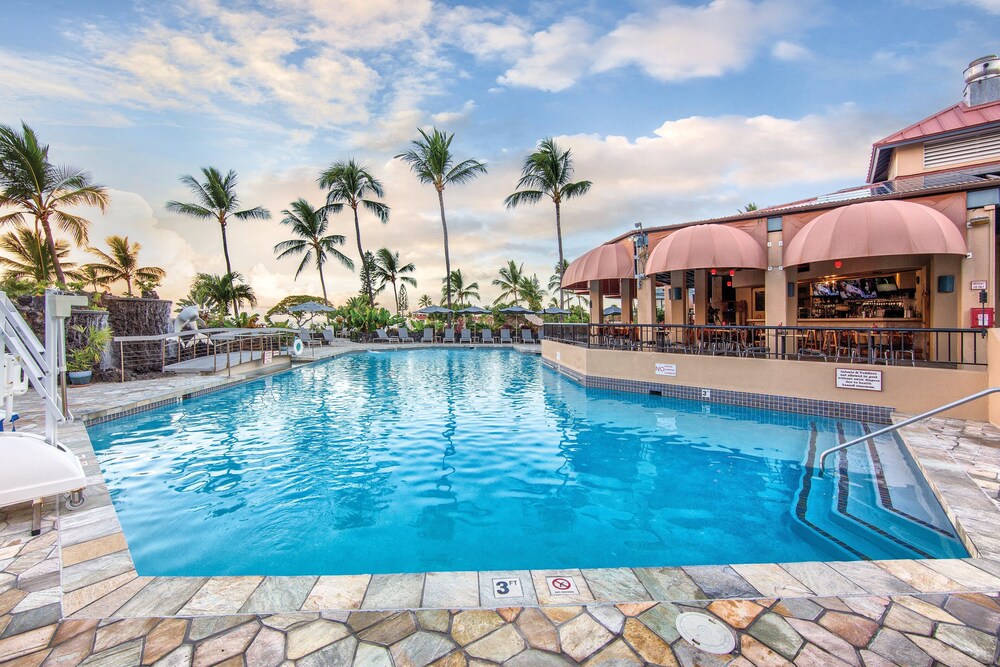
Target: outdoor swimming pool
[(484, 459)]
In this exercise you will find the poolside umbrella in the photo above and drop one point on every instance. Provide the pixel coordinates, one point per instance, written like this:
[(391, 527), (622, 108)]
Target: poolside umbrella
[(517, 310), (432, 310), (311, 307), (553, 311), (612, 310), (474, 310)]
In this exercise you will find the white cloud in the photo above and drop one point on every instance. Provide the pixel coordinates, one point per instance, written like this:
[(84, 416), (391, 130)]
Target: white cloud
[(555, 58), (790, 51), (678, 42)]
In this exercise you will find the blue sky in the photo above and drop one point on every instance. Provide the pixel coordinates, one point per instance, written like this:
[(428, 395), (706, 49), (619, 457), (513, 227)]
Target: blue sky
[(675, 110)]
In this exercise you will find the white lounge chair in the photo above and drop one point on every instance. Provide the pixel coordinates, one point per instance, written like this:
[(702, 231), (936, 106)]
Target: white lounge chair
[(328, 335), (466, 336), (428, 335), (382, 337), (449, 336), (526, 336), (486, 335), (505, 337), (404, 336), (308, 339)]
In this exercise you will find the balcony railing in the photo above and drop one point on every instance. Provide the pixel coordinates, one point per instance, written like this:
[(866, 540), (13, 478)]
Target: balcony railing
[(948, 348)]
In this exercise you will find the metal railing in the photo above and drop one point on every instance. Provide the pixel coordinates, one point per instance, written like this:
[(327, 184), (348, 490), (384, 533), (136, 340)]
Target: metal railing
[(226, 348), (935, 347), (905, 422)]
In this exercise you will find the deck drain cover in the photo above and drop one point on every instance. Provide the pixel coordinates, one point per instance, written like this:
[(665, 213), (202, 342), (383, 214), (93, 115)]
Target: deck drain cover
[(707, 633)]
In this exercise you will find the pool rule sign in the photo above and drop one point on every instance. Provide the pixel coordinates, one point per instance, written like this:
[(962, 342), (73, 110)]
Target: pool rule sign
[(852, 378)]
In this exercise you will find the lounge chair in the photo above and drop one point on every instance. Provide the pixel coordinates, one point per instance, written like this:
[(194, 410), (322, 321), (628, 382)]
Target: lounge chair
[(344, 333), (505, 337), (526, 336), (428, 335), (328, 335), (466, 336), (404, 336), (487, 336), (541, 335), (308, 339), (449, 336), (382, 337)]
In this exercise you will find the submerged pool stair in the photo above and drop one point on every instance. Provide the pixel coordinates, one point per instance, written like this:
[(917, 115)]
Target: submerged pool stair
[(873, 505)]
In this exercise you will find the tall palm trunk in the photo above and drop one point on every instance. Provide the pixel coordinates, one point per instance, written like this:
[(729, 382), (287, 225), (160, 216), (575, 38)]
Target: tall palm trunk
[(447, 257), (395, 295), (361, 254), (559, 240), (51, 243), (229, 266), (322, 283)]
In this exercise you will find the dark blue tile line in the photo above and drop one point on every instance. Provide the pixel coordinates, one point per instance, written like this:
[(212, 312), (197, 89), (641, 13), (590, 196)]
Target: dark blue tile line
[(886, 497), (833, 409), (843, 488), (802, 505)]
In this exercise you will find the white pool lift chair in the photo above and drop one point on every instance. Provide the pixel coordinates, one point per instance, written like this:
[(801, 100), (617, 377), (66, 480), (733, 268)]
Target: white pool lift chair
[(37, 466)]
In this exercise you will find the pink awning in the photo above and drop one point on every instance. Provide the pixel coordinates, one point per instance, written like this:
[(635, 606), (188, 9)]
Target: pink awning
[(706, 247), (612, 261), (875, 229)]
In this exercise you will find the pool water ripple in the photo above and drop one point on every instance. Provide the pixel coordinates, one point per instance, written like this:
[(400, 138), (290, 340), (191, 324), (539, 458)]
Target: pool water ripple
[(429, 460)]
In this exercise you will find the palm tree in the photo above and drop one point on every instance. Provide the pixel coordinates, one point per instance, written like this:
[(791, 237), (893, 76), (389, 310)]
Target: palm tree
[(425, 301), (222, 291), (509, 282), (547, 171), (310, 225), (350, 183), (31, 260), (461, 293), (555, 280), (122, 263), (216, 200), (91, 275), (431, 160), (389, 268), (532, 292), (748, 208), (35, 187)]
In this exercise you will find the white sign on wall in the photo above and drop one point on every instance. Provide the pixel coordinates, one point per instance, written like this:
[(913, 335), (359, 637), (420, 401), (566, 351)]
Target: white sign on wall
[(669, 370), (978, 284), (851, 378), (268, 356)]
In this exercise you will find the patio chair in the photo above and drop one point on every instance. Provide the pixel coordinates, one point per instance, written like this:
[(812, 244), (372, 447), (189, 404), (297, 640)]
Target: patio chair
[(526, 336), (328, 336), (428, 335), (505, 337), (466, 336), (344, 333), (382, 337), (449, 336), (486, 335), (404, 336), (308, 339), (541, 335)]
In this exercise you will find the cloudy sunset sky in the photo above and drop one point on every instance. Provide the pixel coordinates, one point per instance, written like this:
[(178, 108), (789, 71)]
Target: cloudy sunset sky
[(675, 111)]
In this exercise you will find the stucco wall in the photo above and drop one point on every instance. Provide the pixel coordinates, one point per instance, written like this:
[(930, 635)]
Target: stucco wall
[(904, 388)]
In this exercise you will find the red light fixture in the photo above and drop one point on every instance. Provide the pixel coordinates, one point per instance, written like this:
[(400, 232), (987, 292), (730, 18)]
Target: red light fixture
[(838, 264), (729, 283), (714, 272), (732, 272)]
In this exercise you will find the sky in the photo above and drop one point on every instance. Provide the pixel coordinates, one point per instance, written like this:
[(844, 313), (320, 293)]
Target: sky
[(675, 111)]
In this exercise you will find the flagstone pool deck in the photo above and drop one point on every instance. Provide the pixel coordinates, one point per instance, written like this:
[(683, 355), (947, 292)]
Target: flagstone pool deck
[(71, 595)]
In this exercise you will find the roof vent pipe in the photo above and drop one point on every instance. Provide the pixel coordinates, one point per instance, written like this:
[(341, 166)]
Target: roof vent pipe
[(982, 81)]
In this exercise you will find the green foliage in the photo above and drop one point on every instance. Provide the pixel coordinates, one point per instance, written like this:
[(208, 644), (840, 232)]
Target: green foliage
[(281, 308), (95, 341), (122, 263), (29, 258), (369, 286), (221, 291), (312, 242), (403, 300)]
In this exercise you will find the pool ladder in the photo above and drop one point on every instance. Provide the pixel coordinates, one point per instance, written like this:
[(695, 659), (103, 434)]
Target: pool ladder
[(906, 422)]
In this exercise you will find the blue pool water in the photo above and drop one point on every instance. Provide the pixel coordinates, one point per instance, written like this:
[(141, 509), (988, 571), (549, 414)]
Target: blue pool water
[(428, 460)]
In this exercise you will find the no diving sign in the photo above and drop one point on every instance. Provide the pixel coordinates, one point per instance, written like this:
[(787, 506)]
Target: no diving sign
[(563, 585)]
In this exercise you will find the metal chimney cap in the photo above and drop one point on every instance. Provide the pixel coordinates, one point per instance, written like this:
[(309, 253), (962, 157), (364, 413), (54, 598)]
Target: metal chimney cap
[(981, 68)]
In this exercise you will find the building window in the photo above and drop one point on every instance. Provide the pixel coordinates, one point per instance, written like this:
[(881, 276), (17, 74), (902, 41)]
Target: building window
[(774, 224), (980, 198)]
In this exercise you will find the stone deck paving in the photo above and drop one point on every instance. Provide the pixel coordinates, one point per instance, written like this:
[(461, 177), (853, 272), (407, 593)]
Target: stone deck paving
[(890, 612)]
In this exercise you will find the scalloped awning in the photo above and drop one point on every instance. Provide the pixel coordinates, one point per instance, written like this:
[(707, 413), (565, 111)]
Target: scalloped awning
[(613, 261), (706, 247), (875, 229)]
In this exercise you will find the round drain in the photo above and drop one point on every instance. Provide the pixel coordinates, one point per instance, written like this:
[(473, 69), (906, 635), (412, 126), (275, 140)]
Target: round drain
[(707, 633)]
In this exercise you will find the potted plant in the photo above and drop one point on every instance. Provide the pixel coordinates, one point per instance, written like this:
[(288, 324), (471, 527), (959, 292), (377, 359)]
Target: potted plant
[(80, 362)]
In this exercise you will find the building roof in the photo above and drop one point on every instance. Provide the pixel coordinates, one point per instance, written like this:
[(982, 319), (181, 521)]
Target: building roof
[(905, 187), (956, 118)]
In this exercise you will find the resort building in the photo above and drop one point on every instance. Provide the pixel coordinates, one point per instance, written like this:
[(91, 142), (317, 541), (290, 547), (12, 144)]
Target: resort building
[(900, 271)]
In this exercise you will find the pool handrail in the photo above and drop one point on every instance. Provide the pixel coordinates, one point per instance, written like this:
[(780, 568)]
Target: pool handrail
[(906, 422)]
